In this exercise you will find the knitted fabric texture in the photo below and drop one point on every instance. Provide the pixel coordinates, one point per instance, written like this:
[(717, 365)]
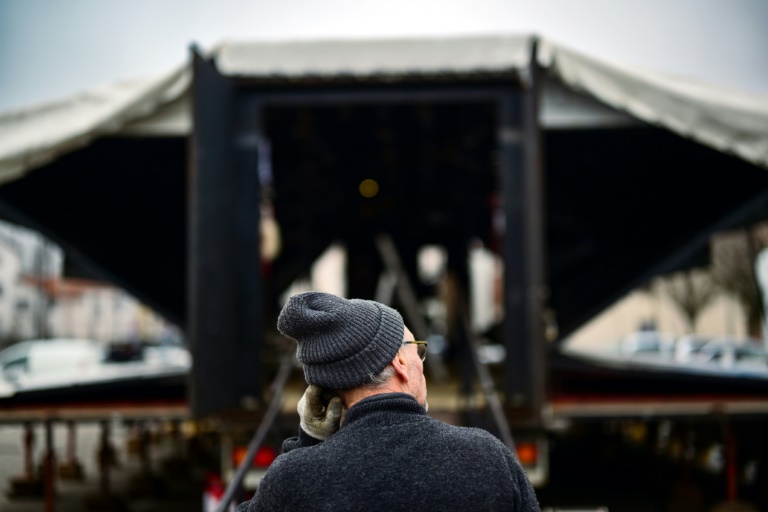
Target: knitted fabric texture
[(341, 343), (389, 456)]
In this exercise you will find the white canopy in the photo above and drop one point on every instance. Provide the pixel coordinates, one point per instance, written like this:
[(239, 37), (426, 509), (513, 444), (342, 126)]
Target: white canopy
[(374, 57), (728, 121), (34, 136)]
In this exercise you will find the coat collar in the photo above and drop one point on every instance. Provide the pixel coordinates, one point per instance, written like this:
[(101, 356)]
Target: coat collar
[(390, 405)]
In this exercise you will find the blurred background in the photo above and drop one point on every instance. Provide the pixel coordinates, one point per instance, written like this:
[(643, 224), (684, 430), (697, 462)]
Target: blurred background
[(569, 200)]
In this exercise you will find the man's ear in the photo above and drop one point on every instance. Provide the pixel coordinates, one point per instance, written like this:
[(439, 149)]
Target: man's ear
[(400, 364)]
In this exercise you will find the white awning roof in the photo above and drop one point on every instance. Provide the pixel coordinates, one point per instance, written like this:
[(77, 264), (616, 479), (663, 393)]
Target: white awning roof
[(729, 121), (35, 136), (374, 57)]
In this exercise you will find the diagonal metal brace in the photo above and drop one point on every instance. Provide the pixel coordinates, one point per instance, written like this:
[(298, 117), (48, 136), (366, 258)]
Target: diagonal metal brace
[(278, 385), (407, 296)]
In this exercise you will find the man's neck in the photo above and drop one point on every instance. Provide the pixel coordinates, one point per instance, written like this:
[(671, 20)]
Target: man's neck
[(351, 396)]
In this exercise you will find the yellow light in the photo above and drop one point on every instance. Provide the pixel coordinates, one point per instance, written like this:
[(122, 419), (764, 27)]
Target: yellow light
[(369, 188)]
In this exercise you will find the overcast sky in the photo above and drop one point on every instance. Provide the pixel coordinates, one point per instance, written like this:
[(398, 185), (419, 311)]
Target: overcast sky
[(53, 48)]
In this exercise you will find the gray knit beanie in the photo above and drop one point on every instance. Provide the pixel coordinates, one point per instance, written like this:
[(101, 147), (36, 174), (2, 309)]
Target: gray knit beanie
[(341, 342)]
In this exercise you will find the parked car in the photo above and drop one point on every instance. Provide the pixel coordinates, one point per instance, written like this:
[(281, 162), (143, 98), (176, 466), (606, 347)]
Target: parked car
[(647, 343), (54, 363), (51, 360), (731, 353), (688, 346)]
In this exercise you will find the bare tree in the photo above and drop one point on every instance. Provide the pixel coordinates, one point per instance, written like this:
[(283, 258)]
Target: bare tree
[(733, 268), (42, 303), (692, 291)]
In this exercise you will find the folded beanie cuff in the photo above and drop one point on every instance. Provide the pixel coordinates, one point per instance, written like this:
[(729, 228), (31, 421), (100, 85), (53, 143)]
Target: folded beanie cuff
[(359, 368), (341, 343)]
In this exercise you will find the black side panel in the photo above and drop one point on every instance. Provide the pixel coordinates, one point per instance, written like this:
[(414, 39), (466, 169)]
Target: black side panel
[(224, 274), (118, 208), (626, 205)]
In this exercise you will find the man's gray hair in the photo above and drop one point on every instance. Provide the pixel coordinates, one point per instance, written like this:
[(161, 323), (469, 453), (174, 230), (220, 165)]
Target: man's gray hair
[(379, 379)]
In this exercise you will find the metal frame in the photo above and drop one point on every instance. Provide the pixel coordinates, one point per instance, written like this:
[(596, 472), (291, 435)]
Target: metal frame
[(520, 171), (400, 94), (520, 185)]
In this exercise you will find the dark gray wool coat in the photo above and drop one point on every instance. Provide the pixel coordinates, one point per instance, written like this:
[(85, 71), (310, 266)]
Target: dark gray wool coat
[(389, 455)]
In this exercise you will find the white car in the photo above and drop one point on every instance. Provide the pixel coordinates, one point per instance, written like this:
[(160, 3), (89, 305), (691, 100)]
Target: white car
[(52, 363), (733, 354), (688, 346)]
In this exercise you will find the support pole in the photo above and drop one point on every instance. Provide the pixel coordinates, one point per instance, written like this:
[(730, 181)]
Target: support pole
[(144, 483), (28, 483), (105, 459), (50, 475), (71, 469), (103, 500), (525, 289), (146, 469), (71, 457), (224, 309), (29, 446), (730, 462)]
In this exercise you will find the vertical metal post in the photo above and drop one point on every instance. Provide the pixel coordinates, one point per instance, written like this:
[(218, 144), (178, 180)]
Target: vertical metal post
[(29, 446), (516, 328), (248, 242), (731, 467), (71, 457), (70, 468), (522, 244), (143, 434), (50, 488), (224, 257), (537, 290), (105, 459)]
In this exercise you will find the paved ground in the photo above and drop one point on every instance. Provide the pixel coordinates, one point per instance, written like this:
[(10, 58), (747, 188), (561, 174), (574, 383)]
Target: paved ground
[(169, 493)]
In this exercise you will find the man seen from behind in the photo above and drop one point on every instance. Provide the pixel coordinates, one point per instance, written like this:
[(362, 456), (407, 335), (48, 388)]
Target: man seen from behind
[(373, 447)]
